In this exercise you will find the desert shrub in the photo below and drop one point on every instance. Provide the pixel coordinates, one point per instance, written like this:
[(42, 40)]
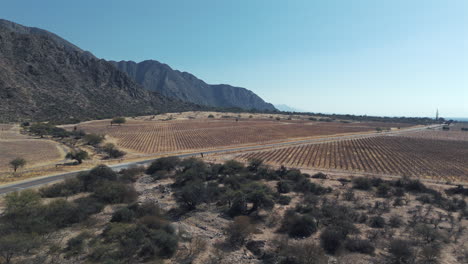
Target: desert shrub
[(79, 156), (363, 246), (377, 222), (112, 151), (283, 186), (114, 192), (154, 222), (163, 164), (457, 190), (61, 213), (319, 175), (293, 175), (123, 215), (415, 186), (231, 167), (298, 226), (395, 221), (284, 200), (300, 252), (362, 183), (89, 205), (210, 116), (165, 241), (401, 251), (68, 187), (191, 195), (97, 174), (306, 186), (131, 174), (23, 212), (239, 205), (259, 195), (239, 230), (349, 195), (254, 164), (383, 190), (93, 139), (399, 192), (17, 244), (331, 240), (75, 245), (430, 254), (427, 233)]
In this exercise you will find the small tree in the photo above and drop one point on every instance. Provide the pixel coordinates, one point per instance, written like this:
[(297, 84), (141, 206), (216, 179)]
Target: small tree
[(78, 156), (16, 244), (17, 163), (118, 120)]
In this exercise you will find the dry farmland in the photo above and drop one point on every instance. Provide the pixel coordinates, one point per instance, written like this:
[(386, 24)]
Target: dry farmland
[(388, 155), (36, 152), (165, 136)]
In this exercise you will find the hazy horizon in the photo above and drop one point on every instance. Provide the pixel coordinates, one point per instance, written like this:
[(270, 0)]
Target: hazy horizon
[(385, 58)]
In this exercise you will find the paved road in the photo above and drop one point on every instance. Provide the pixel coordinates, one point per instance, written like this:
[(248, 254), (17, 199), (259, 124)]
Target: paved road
[(49, 179)]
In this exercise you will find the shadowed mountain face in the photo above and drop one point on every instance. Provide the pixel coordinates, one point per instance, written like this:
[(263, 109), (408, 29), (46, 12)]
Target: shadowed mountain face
[(44, 77), (159, 77)]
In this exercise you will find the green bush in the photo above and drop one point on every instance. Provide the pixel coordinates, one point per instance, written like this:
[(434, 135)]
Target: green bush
[(97, 174), (163, 164), (114, 192), (93, 139), (284, 200), (239, 230), (359, 245), (131, 174), (238, 206), (362, 183), (191, 195), (383, 190), (377, 222), (66, 188), (89, 205), (401, 251), (123, 215), (283, 186), (298, 226), (165, 242), (331, 240)]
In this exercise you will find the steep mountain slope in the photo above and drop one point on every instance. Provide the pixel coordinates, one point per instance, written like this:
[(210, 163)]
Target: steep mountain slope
[(159, 77), (44, 77)]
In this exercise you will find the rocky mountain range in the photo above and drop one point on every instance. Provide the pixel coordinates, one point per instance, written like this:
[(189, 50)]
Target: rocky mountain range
[(159, 77), (43, 77)]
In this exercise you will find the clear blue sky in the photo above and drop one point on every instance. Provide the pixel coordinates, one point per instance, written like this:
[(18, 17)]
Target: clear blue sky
[(385, 57)]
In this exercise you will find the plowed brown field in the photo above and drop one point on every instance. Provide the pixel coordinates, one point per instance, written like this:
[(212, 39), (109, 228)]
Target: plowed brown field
[(389, 155), (164, 136)]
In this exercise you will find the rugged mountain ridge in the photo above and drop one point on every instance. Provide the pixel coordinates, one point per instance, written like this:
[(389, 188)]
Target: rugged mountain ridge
[(159, 77), (44, 77)]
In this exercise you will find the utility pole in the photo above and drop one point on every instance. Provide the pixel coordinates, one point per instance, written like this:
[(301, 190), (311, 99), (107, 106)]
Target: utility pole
[(437, 114)]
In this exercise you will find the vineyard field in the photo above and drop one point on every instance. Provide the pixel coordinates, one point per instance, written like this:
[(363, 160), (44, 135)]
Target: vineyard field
[(387, 155), (165, 136)]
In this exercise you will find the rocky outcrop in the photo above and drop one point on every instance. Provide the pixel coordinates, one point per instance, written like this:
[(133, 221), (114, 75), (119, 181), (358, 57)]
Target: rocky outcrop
[(159, 77), (44, 77)]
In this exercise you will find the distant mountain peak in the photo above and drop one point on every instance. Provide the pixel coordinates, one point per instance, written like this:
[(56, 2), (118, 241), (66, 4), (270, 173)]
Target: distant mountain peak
[(287, 108), (160, 77)]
